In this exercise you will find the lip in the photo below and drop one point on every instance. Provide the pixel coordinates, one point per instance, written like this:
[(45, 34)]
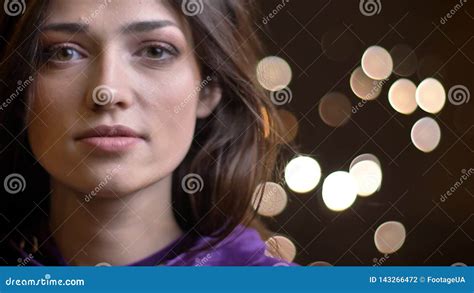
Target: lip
[(111, 138)]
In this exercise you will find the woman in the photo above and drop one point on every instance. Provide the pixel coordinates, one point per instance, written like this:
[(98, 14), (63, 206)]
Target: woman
[(140, 137)]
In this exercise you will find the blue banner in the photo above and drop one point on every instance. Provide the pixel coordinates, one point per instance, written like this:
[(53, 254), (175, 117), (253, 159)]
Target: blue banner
[(236, 279)]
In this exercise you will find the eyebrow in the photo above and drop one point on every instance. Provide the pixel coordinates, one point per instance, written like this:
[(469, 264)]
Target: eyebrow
[(146, 26), (134, 27), (71, 28)]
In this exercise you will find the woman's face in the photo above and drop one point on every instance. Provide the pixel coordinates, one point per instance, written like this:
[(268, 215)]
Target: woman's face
[(128, 68)]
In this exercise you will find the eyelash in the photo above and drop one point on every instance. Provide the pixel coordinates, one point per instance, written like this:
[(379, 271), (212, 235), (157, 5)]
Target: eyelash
[(49, 53), (166, 48)]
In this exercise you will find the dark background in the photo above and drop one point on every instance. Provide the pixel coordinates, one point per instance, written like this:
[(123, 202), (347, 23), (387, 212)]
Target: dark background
[(438, 233)]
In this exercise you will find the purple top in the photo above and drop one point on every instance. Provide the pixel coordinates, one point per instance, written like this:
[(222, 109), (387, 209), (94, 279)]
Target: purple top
[(243, 247)]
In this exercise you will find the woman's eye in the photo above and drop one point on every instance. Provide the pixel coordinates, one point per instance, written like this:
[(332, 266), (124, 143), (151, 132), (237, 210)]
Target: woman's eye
[(63, 54), (155, 52)]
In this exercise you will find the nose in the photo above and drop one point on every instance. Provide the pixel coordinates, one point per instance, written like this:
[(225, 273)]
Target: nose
[(109, 88)]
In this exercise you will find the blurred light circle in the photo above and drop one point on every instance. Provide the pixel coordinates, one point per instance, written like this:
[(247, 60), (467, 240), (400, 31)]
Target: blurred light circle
[(402, 96), (405, 61), (302, 174), (281, 264), (368, 176), (266, 122), (288, 128), (320, 264), (339, 191), (335, 109), (430, 95), (273, 200), (426, 134), (274, 73), (390, 237), (363, 86), (280, 247), (459, 264), (377, 63), (365, 157)]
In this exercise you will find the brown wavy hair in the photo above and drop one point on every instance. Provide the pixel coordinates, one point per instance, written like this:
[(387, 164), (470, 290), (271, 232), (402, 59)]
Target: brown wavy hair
[(233, 150)]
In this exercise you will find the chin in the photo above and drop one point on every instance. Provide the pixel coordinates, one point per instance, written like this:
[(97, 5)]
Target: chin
[(119, 184), (110, 188), (100, 182)]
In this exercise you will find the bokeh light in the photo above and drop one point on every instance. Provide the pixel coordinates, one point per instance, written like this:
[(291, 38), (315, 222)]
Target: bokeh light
[(273, 200), (274, 73), (426, 134), (335, 109), (339, 191), (280, 247), (390, 237), (377, 63), (302, 174), (363, 86), (266, 122), (402, 96), (320, 263), (368, 176), (430, 95), (288, 128), (365, 157)]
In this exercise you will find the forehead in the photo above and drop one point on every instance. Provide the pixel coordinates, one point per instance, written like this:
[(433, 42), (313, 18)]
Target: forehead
[(108, 15)]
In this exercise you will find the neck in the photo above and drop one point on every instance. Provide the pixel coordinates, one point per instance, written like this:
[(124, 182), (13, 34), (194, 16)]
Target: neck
[(116, 230)]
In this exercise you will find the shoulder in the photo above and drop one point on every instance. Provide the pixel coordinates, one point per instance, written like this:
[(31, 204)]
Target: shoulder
[(243, 247)]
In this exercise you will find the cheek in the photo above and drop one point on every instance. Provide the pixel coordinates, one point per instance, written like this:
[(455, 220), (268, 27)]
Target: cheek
[(174, 114), (50, 117), (54, 100)]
